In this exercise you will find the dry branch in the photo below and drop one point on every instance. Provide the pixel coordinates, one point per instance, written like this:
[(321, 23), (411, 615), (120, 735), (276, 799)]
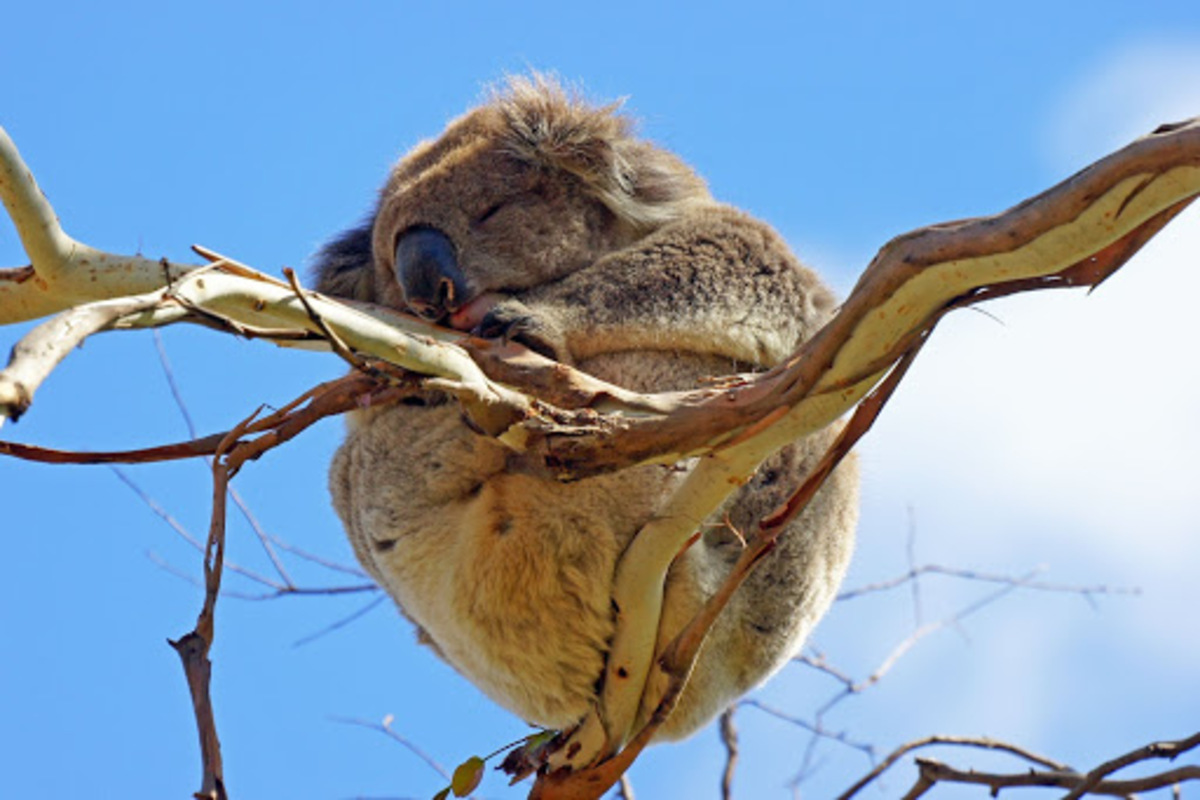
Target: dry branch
[(559, 422), (729, 738), (1046, 772)]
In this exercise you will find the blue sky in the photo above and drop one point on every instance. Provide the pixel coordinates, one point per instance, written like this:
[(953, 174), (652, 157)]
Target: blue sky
[(1059, 431)]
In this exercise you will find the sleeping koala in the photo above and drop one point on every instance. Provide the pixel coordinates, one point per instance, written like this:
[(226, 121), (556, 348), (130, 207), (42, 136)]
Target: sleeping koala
[(541, 218)]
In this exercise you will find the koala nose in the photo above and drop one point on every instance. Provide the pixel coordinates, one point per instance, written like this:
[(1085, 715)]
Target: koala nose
[(428, 271)]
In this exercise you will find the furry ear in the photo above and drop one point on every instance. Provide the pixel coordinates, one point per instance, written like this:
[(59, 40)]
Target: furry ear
[(639, 182), (345, 266)]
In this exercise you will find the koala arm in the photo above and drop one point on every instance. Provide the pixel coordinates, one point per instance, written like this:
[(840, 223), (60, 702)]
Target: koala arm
[(716, 282)]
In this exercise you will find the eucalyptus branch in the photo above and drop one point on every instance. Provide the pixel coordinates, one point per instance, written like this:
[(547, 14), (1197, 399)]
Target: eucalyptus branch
[(62, 273)]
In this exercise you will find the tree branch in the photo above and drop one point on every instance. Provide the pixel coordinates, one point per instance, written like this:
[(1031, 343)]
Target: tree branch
[(63, 273), (1051, 773)]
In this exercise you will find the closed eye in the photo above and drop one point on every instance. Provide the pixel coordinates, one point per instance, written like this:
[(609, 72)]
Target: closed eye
[(486, 215)]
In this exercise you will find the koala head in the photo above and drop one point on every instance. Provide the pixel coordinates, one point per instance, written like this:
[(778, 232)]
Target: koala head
[(527, 188)]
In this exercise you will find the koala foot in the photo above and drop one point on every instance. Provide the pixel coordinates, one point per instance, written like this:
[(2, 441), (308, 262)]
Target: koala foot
[(513, 321)]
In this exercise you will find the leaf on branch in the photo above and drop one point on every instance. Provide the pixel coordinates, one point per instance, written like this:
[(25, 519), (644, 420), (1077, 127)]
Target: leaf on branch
[(467, 776)]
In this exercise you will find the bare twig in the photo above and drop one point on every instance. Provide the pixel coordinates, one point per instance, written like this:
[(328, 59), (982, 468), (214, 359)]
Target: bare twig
[(729, 738), (1087, 592), (817, 729), (328, 399), (1167, 750), (148, 455), (906, 644), (182, 531), (232, 453), (963, 741), (911, 554), (344, 621), (277, 589), (193, 648), (385, 727), (335, 342), (181, 405), (934, 772), (1048, 772), (320, 561), (850, 686)]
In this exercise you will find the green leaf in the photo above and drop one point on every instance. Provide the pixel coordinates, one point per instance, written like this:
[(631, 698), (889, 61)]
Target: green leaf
[(443, 794), (467, 776)]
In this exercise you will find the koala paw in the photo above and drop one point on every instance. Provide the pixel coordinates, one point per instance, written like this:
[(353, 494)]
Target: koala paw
[(513, 321)]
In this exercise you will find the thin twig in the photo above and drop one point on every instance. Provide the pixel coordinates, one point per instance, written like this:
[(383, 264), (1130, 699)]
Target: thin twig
[(934, 772), (385, 727), (234, 451), (330, 398), (193, 648), (818, 661), (181, 405), (729, 738), (909, 641), (343, 622), (184, 533), (962, 741), (816, 729), (1168, 750), (146, 455), (1087, 592), (313, 558), (277, 589), (911, 553), (335, 342)]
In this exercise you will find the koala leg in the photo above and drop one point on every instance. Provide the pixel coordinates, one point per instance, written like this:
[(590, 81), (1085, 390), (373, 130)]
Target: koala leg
[(507, 576), (773, 612), (781, 601)]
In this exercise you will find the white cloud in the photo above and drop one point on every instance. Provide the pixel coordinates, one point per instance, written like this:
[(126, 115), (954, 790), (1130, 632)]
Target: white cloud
[(1069, 430), (1130, 93), (1079, 408)]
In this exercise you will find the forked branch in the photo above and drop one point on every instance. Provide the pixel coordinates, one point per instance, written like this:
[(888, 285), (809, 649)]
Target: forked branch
[(1044, 772)]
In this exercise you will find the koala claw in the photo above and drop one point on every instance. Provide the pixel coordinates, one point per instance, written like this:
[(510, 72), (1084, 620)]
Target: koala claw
[(469, 317), (512, 321)]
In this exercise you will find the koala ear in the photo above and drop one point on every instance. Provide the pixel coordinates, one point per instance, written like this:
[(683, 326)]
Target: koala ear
[(345, 266), (661, 188), (640, 183)]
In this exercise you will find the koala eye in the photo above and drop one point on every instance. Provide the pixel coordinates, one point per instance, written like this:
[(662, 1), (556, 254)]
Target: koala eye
[(488, 214)]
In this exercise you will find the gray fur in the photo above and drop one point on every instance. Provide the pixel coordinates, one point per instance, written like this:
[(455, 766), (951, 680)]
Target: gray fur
[(610, 254)]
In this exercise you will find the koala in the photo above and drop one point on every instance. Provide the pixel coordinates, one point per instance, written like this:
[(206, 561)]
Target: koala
[(544, 219)]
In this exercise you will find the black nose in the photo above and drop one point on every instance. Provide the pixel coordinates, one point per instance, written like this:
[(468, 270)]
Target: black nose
[(427, 269)]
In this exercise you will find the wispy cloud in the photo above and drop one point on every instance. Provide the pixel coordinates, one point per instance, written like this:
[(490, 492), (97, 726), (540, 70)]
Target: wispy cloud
[(1079, 408), (1065, 427), (1126, 95)]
